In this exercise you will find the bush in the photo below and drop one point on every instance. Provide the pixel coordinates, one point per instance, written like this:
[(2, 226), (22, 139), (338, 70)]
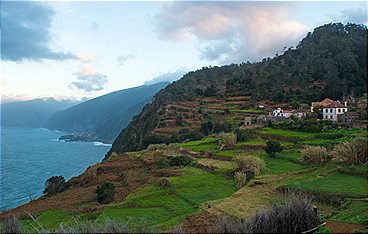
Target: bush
[(164, 182), (107, 226), (272, 147), (250, 165), (105, 193), (241, 178), (308, 124), (295, 216), (244, 135), (179, 120), (354, 152), (181, 160), (157, 146), (226, 140), (55, 184), (11, 225), (315, 155)]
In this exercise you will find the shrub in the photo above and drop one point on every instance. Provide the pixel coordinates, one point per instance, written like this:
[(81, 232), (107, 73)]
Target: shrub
[(272, 147), (354, 152), (164, 182), (157, 146), (315, 155), (230, 225), (107, 226), (181, 160), (250, 165), (161, 162), (226, 140), (179, 120), (241, 178), (207, 127), (244, 135), (295, 216), (11, 225), (55, 184), (105, 193)]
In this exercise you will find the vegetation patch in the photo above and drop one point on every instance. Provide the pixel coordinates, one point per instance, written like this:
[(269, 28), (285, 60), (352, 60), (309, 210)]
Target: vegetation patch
[(339, 184), (166, 206), (355, 212), (227, 153), (276, 165), (219, 165), (204, 144)]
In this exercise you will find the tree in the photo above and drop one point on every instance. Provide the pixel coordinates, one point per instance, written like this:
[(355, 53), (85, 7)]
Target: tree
[(207, 127), (179, 120), (54, 184), (105, 193), (272, 147)]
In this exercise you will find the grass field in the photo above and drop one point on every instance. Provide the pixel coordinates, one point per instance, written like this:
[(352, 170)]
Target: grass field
[(279, 165), (290, 155), (249, 111), (166, 206), (260, 141), (287, 133), (221, 166), (204, 144), (355, 212), (342, 184), (48, 220)]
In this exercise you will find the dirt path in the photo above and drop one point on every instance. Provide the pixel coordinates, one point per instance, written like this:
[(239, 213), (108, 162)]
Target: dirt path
[(338, 227)]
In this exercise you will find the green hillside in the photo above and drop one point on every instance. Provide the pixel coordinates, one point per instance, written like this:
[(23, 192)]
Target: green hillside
[(329, 62)]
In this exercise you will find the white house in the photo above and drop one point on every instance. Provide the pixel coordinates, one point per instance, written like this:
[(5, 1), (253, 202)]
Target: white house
[(278, 112), (281, 113), (331, 111)]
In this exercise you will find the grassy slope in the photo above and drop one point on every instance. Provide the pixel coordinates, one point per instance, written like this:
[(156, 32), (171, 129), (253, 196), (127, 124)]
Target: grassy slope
[(338, 183), (166, 206)]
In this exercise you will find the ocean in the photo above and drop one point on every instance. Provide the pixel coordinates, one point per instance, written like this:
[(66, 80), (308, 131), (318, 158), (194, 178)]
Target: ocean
[(29, 156)]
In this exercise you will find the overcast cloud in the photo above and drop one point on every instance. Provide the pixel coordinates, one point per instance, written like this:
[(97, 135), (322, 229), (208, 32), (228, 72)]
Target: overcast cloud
[(231, 31), (25, 32)]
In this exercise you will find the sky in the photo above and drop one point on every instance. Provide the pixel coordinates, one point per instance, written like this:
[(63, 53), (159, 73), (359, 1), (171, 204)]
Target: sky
[(75, 50)]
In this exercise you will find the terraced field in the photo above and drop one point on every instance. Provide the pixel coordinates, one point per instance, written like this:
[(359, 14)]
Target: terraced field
[(208, 187)]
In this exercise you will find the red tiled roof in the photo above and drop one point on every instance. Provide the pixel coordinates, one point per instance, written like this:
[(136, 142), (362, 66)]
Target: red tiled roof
[(326, 102), (335, 105)]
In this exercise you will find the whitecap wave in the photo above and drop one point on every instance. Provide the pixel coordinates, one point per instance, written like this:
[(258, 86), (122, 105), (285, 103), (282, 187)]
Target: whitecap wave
[(97, 143)]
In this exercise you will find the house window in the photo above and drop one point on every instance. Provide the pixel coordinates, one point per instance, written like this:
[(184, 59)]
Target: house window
[(338, 110)]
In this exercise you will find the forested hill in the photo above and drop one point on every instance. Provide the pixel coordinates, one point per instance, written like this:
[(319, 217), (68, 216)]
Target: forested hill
[(329, 62), (103, 118)]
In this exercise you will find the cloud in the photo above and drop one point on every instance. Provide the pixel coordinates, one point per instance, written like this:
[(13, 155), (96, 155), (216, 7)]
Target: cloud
[(231, 31), (357, 15), (25, 29), (167, 77), (89, 80), (122, 59), (86, 58)]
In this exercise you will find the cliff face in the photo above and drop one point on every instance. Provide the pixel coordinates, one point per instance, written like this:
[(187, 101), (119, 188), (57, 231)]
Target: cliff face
[(329, 62), (103, 118)]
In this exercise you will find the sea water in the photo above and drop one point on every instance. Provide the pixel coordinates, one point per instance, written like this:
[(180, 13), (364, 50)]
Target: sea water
[(29, 156)]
